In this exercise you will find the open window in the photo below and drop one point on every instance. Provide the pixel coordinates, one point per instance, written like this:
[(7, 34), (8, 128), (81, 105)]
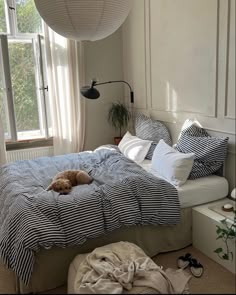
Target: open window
[(24, 107)]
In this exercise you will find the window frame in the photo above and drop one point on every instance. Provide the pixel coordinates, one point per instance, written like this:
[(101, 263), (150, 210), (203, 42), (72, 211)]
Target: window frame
[(40, 86), (8, 86)]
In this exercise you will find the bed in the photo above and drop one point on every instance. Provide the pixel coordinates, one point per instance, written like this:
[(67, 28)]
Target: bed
[(164, 223)]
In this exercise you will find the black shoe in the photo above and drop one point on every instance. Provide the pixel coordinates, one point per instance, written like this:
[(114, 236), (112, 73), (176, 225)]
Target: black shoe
[(184, 261), (196, 268)]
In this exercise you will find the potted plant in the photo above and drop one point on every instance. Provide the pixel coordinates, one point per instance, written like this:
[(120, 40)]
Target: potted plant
[(118, 117), (226, 233)]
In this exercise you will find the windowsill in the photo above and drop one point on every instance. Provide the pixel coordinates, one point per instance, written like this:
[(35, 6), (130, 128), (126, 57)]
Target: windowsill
[(33, 143)]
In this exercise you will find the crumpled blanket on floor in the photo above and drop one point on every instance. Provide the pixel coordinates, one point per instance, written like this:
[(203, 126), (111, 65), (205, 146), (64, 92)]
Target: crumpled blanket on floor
[(117, 267)]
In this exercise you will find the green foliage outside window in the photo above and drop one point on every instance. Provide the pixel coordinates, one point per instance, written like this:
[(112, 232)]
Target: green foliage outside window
[(23, 82), (28, 19), (2, 105), (3, 27), (22, 66)]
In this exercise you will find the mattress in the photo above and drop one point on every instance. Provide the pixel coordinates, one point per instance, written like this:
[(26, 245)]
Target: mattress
[(199, 191)]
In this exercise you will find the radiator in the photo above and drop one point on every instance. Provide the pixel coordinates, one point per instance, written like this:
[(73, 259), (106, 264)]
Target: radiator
[(29, 154)]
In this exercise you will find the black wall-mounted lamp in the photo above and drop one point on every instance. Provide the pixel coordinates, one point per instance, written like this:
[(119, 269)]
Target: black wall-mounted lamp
[(92, 93)]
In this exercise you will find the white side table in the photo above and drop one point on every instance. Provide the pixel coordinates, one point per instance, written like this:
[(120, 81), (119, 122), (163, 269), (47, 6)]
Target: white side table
[(205, 218)]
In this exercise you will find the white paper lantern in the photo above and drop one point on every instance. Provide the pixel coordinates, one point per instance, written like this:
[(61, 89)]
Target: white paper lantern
[(84, 19)]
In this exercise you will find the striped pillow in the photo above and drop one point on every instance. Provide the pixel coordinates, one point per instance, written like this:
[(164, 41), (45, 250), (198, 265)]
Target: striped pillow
[(210, 152), (190, 128), (149, 129)]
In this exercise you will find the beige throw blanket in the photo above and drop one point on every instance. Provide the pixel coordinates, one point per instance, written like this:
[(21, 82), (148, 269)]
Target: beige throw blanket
[(117, 267)]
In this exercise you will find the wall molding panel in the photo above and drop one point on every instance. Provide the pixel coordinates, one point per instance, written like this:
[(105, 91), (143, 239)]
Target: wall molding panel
[(219, 19), (229, 111), (184, 54)]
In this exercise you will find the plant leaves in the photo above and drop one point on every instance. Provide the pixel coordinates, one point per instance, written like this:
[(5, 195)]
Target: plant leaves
[(223, 221), (224, 231), (232, 233), (218, 250), (225, 256), (227, 233), (219, 230), (119, 115)]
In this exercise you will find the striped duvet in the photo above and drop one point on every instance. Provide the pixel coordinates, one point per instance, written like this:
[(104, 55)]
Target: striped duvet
[(121, 194)]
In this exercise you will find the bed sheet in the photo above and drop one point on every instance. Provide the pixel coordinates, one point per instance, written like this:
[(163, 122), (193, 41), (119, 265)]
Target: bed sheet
[(198, 191)]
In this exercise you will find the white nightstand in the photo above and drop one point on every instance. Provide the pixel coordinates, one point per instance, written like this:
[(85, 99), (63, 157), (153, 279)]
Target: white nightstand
[(205, 218)]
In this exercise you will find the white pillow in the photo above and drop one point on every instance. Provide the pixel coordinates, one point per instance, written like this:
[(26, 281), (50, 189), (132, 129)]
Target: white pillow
[(134, 147), (174, 166)]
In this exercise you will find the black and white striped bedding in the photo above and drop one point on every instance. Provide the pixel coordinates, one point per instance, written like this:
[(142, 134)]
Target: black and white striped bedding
[(122, 194), (210, 152)]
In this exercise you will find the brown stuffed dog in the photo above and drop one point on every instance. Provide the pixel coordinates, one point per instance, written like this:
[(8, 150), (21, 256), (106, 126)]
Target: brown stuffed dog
[(63, 181)]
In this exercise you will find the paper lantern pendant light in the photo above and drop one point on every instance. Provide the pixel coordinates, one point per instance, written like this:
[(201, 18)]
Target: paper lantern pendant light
[(84, 19)]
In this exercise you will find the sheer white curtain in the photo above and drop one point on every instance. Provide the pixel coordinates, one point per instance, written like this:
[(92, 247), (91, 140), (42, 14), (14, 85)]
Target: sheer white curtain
[(2, 145), (65, 75)]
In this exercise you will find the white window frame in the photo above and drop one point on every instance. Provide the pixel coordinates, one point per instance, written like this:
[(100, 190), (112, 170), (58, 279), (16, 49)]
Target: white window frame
[(8, 85), (41, 87)]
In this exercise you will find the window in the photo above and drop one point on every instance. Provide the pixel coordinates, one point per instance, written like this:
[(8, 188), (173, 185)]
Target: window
[(24, 107)]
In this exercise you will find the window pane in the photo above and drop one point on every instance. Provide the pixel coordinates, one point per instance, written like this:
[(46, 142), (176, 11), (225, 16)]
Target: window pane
[(3, 23), (3, 113), (3, 102), (21, 57), (28, 18), (3, 109)]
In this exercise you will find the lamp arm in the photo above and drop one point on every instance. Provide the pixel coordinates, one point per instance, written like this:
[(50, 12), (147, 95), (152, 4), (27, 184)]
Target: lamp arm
[(117, 81)]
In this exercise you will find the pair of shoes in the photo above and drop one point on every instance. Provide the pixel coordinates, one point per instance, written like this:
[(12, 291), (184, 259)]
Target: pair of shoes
[(196, 267), (183, 261)]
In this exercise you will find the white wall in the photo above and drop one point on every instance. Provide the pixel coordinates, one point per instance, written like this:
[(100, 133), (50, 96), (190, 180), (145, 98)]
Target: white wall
[(103, 60), (179, 55)]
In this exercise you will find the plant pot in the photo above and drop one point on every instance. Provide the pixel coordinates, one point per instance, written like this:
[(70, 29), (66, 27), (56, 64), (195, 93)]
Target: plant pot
[(117, 140)]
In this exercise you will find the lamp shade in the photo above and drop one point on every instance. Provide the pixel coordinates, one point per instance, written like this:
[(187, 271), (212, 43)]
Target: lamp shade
[(89, 92), (84, 19)]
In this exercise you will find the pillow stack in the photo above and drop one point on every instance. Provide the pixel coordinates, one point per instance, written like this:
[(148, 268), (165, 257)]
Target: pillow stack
[(153, 130), (210, 152)]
